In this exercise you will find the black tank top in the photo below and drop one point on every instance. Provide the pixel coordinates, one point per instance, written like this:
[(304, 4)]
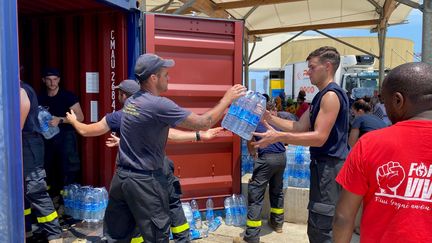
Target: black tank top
[(337, 143), (32, 123)]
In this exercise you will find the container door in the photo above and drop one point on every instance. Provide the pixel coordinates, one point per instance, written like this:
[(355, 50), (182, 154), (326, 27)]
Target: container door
[(11, 175), (208, 56), (90, 42)]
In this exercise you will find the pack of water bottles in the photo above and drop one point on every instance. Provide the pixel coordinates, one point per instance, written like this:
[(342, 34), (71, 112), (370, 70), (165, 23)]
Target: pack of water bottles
[(244, 114), (235, 210), (85, 202), (297, 173), (247, 161), (44, 117)]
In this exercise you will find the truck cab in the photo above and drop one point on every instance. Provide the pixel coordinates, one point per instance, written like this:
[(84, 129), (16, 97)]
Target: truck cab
[(357, 76)]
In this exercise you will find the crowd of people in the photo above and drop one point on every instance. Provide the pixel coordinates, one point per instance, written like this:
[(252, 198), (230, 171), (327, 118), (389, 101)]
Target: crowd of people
[(353, 160)]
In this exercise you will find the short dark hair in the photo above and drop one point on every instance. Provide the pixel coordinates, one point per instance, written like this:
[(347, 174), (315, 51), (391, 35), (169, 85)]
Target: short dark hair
[(413, 80), (326, 53), (362, 104)]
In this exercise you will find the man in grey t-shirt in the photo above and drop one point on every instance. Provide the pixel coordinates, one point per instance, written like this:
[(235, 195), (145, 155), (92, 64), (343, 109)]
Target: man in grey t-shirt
[(138, 194)]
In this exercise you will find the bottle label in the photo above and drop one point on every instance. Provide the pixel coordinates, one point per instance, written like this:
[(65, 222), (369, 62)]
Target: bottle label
[(233, 110), (196, 214), (243, 114), (254, 120)]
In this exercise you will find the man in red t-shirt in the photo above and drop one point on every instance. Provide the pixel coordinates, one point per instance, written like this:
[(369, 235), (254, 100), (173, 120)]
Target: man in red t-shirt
[(390, 170)]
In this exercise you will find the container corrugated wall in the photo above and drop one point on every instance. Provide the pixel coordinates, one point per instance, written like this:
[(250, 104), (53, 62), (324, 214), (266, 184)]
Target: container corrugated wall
[(208, 56), (78, 41)]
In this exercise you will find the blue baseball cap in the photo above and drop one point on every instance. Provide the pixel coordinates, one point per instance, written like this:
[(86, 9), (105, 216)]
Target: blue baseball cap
[(128, 86), (50, 72), (148, 64)]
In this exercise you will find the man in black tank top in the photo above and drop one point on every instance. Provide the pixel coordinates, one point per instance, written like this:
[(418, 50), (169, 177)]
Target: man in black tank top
[(325, 129), (35, 189)]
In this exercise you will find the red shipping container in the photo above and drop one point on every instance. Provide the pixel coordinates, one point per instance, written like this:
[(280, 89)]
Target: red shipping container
[(208, 56), (82, 37)]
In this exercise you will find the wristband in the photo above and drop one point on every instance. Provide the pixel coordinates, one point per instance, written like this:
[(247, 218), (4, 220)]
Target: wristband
[(198, 137)]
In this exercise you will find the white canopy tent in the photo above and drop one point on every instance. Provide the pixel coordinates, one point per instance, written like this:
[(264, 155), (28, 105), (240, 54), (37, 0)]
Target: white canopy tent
[(276, 16), (265, 17)]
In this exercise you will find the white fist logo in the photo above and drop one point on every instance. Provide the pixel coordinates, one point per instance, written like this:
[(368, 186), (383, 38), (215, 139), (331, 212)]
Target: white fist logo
[(390, 176)]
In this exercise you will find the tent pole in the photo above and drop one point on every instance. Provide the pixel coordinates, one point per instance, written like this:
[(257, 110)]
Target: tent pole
[(427, 32)]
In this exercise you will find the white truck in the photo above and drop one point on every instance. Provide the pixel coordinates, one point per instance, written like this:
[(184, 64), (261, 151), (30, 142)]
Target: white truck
[(355, 75)]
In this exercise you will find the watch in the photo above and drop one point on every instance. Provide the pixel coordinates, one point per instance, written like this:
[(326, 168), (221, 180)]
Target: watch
[(198, 137), (61, 120)]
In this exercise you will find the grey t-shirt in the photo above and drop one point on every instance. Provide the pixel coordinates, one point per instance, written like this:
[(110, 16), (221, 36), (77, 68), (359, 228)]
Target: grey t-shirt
[(144, 130)]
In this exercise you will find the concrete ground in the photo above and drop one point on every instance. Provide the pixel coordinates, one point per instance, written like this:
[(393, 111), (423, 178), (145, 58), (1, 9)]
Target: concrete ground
[(294, 229), (292, 233)]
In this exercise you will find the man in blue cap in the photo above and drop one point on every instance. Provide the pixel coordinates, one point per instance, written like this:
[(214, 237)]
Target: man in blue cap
[(112, 121), (138, 195)]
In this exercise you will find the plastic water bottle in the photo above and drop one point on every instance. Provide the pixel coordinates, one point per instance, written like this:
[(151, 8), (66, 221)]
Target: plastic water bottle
[(44, 118), (209, 210), (196, 214), (86, 201), (74, 190), (213, 225), (243, 209), (307, 166), (229, 214), (198, 233), (188, 214), (194, 234), (103, 204), (251, 164), (98, 207), (231, 118), (67, 200), (236, 210), (256, 113), (246, 115)]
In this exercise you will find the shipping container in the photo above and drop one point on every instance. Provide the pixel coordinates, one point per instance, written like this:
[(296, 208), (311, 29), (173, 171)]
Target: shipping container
[(208, 56), (11, 179), (94, 45)]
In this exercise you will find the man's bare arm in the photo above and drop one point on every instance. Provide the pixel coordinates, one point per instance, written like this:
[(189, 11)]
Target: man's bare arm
[(302, 125), (78, 111), (176, 135), (324, 123), (79, 116), (24, 107), (207, 120), (353, 136), (344, 219), (87, 130)]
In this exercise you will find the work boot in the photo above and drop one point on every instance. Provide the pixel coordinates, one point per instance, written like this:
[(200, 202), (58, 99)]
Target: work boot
[(274, 226)]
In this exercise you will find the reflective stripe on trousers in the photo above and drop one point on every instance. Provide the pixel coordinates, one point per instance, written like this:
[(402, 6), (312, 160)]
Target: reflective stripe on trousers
[(48, 218)]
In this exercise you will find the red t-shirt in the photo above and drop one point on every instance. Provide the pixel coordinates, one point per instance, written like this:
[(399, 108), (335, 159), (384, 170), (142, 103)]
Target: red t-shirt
[(303, 107), (391, 168)]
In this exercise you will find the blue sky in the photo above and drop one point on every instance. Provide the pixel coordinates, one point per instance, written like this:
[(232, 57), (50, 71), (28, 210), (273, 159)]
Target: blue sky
[(412, 30)]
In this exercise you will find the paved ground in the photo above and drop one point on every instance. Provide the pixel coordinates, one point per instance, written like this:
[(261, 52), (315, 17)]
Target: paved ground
[(292, 233), (295, 233)]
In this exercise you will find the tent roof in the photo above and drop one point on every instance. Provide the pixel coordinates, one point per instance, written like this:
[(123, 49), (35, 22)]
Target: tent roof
[(275, 16)]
